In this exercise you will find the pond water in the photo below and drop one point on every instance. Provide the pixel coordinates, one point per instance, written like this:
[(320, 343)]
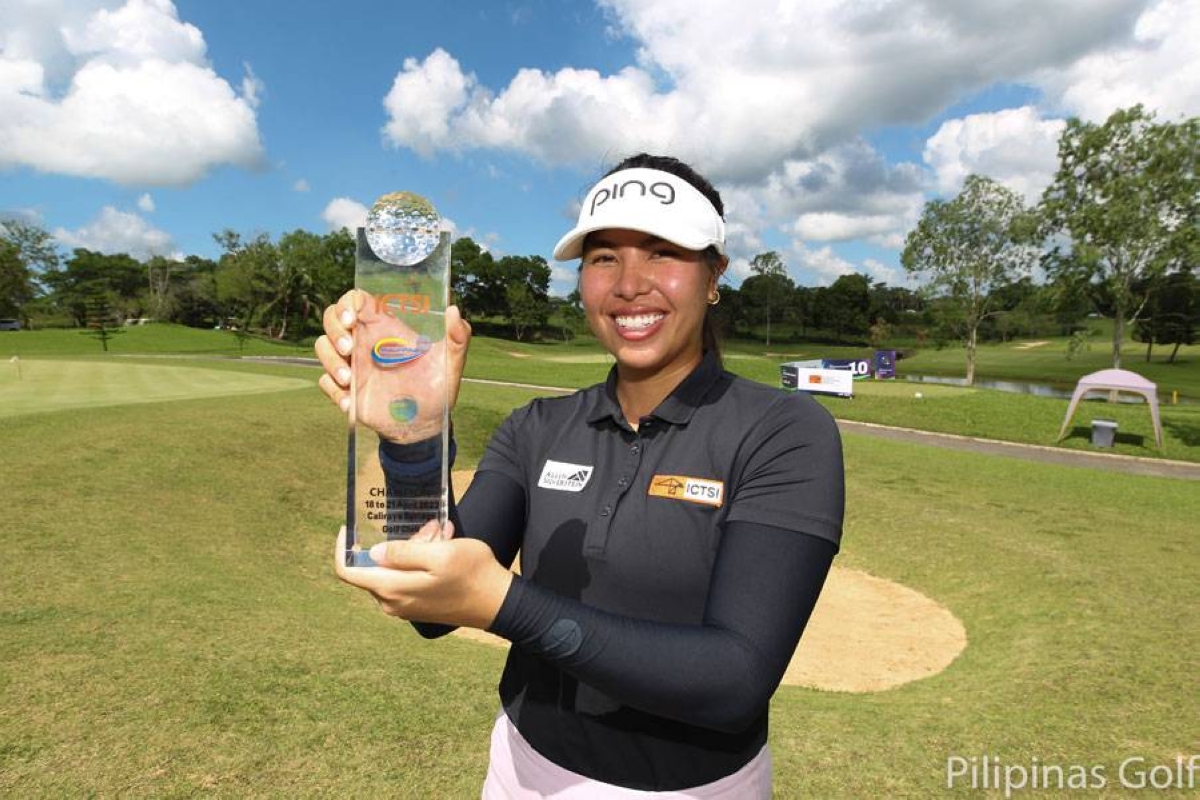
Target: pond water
[(1026, 387)]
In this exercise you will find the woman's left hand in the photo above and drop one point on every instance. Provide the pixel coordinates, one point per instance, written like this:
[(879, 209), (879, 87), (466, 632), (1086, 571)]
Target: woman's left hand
[(432, 578)]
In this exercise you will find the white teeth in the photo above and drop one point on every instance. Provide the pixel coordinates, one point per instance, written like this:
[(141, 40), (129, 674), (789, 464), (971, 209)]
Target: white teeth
[(639, 321)]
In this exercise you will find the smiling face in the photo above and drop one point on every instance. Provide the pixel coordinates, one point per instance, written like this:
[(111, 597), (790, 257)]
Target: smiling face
[(645, 300)]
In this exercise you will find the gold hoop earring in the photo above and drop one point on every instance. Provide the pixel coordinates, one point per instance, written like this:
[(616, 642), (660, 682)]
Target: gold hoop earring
[(716, 297)]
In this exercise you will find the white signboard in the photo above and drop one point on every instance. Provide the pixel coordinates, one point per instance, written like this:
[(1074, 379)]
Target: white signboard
[(818, 381)]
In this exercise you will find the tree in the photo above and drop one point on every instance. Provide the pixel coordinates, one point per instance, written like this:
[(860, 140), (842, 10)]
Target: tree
[(159, 270), (570, 314), (26, 253), (334, 272), (119, 277), (37, 247), (291, 280), (803, 306), (1126, 195), (526, 291), (968, 248), (17, 286), (879, 332), (241, 290), (730, 313), (100, 318), (476, 280), (524, 310), (768, 288), (1170, 314), (842, 308), (195, 301)]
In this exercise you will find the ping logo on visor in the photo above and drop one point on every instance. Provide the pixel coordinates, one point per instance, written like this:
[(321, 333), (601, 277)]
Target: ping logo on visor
[(693, 490), (393, 350), (662, 190)]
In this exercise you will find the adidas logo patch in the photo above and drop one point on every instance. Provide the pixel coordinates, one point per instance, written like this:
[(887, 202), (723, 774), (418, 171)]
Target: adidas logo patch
[(564, 477)]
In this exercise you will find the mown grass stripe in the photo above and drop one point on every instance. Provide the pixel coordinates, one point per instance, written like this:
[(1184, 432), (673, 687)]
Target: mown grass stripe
[(46, 386)]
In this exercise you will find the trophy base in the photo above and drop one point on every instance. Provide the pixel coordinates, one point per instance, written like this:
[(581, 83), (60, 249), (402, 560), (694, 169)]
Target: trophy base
[(359, 558)]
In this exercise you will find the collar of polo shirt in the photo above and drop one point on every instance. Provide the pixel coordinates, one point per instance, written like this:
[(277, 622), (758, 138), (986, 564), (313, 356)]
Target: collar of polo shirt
[(676, 408)]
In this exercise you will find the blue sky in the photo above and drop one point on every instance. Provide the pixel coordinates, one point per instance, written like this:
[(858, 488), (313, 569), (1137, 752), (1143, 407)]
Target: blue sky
[(147, 125)]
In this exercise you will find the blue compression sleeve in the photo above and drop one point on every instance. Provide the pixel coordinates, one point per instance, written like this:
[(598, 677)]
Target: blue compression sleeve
[(719, 674)]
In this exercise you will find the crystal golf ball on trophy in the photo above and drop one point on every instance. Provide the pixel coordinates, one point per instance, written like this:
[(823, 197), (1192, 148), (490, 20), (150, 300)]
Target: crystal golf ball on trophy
[(399, 416)]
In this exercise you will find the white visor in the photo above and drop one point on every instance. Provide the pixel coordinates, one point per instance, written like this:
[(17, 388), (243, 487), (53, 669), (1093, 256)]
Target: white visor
[(650, 201)]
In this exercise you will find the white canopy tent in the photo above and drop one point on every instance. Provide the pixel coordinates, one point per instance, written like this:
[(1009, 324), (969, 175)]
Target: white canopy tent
[(1118, 380)]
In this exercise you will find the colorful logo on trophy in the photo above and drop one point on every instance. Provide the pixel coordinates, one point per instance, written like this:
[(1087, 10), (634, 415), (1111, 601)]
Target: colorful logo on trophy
[(393, 350), (403, 410)]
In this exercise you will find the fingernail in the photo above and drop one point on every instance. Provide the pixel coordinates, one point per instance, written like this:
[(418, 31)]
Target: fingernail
[(347, 317), (344, 404), (343, 375), (344, 344), (378, 552)]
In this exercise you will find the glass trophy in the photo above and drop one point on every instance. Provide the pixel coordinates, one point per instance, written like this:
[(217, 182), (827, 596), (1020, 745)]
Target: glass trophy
[(399, 420)]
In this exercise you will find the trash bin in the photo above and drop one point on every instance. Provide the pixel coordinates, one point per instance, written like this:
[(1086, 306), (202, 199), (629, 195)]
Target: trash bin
[(1103, 432)]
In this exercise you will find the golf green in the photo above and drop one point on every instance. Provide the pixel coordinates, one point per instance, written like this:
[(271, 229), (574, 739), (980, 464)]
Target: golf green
[(31, 386)]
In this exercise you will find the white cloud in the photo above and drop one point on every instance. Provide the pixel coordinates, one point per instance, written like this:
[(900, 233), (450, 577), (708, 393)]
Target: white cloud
[(114, 231), (827, 265), (301, 186), (146, 203), (738, 269), (342, 212), (252, 86), (422, 99), (742, 87), (892, 241), (562, 274), (32, 216), (1015, 147), (878, 271), (137, 31), (767, 98), (846, 192), (831, 226), (1158, 66), (118, 91)]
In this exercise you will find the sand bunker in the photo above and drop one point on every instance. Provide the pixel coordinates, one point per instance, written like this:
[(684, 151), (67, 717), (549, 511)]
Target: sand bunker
[(867, 634)]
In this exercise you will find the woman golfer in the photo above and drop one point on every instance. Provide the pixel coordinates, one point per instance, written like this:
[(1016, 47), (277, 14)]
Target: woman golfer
[(675, 525)]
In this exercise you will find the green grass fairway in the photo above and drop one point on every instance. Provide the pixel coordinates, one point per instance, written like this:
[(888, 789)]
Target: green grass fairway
[(984, 413), (138, 339), (72, 385), (170, 624), (970, 412)]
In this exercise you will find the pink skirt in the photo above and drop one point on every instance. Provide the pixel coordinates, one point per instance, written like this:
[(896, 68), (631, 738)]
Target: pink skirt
[(518, 772)]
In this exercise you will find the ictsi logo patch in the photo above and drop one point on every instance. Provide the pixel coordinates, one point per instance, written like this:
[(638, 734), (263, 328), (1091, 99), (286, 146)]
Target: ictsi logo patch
[(693, 490), (564, 477)]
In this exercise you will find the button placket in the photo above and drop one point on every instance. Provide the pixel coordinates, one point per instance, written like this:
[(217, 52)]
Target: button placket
[(601, 525)]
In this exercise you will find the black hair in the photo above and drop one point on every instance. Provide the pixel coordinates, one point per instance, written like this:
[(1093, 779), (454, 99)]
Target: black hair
[(710, 255)]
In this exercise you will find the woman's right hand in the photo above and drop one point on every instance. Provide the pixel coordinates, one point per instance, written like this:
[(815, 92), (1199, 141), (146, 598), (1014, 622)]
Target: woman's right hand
[(401, 402)]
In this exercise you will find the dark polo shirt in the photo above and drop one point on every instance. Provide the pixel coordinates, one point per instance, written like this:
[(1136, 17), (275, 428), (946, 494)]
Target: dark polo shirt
[(630, 522)]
